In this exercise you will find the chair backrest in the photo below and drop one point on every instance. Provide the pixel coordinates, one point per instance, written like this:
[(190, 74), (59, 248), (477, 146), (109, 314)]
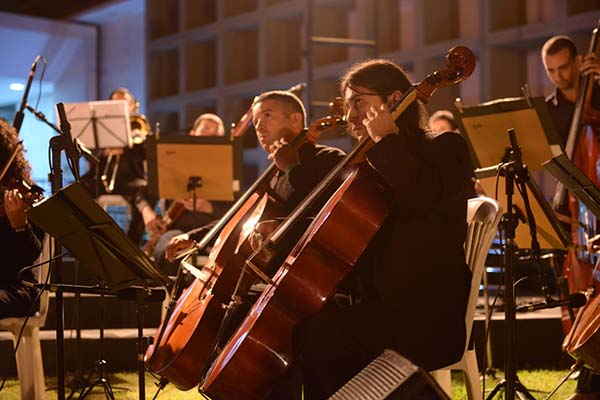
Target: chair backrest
[(41, 274), (483, 216)]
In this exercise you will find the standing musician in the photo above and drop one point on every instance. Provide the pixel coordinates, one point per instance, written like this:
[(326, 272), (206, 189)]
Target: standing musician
[(205, 211), (564, 66), (278, 117), (410, 288), (21, 242)]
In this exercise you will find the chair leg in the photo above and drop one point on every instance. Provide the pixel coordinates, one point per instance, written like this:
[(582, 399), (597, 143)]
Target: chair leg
[(472, 376), (24, 366), (443, 378), (37, 364)]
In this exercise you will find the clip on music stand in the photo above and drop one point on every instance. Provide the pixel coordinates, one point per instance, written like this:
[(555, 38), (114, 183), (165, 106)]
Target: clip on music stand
[(73, 217), (100, 124), (176, 164), (485, 127)]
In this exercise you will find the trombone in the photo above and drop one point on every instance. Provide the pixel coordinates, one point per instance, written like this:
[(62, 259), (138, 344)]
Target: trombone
[(111, 167), (140, 129)]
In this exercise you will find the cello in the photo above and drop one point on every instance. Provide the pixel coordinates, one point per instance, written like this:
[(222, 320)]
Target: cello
[(261, 350), (583, 148), (583, 338), (191, 333)]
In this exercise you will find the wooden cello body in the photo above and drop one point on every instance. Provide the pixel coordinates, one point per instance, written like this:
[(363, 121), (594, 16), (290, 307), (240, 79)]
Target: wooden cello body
[(261, 350), (183, 350)]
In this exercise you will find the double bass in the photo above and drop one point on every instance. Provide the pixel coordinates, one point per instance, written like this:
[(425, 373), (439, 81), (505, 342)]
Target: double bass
[(191, 333), (583, 148), (261, 350)]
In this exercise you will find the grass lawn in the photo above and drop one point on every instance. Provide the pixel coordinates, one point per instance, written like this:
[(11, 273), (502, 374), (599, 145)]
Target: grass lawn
[(124, 384)]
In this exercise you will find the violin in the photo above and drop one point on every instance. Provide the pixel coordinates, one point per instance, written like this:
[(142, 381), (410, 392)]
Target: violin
[(30, 194)]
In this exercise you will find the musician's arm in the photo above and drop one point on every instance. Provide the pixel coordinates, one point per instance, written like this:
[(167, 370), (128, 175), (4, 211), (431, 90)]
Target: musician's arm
[(437, 172)]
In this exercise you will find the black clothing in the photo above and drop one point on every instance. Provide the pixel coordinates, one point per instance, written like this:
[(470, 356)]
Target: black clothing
[(561, 110), (19, 250), (315, 161), (130, 182), (413, 279)]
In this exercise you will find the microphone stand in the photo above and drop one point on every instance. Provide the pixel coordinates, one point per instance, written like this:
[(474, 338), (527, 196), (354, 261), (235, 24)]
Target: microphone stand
[(57, 145), (19, 115), (78, 381), (513, 170)]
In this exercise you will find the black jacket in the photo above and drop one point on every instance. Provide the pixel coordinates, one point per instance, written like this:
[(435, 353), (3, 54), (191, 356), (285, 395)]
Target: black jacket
[(416, 265)]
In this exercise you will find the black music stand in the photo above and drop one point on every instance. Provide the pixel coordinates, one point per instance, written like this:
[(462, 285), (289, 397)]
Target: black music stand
[(175, 161), (73, 217), (485, 127), (575, 181)]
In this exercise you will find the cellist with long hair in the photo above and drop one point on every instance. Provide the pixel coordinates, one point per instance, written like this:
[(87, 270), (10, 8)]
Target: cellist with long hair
[(410, 288)]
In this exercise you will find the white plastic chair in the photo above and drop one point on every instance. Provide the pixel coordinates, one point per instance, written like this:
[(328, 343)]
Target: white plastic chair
[(483, 216), (30, 367)]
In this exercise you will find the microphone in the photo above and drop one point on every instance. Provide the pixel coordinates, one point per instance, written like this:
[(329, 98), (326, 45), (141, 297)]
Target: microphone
[(517, 156), (71, 150), (574, 300), (19, 115)]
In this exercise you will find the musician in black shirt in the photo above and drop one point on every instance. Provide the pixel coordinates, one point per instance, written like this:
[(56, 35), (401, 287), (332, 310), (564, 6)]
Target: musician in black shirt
[(21, 242), (565, 68)]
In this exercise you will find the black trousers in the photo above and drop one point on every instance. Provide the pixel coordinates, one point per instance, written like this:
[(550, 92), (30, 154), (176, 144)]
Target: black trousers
[(17, 301), (588, 382), (333, 346), (338, 342)]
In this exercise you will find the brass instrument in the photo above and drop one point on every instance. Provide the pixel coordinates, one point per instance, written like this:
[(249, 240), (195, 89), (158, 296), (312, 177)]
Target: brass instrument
[(111, 166), (140, 129)]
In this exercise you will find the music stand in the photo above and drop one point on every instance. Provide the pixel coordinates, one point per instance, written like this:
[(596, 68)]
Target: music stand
[(100, 124), (575, 181), (175, 162), (73, 217), (485, 127)]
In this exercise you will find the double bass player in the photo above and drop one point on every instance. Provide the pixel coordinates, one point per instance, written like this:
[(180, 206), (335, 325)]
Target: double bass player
[(566, 69)]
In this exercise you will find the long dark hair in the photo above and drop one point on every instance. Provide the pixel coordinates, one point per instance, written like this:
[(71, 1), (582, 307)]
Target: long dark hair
[(9, 139), (383, 77)]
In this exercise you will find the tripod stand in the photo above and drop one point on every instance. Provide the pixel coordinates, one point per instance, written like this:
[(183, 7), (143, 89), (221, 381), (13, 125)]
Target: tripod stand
[(513, 170), (99, 365)]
